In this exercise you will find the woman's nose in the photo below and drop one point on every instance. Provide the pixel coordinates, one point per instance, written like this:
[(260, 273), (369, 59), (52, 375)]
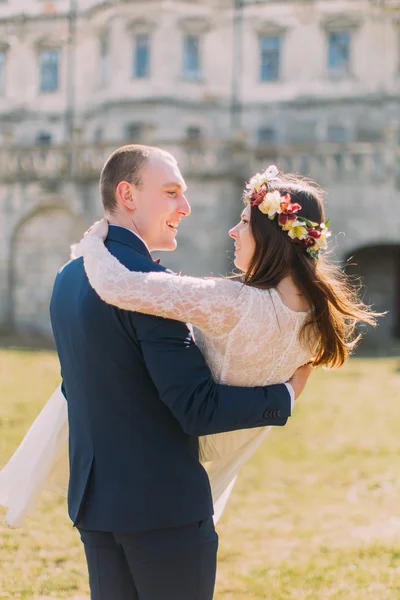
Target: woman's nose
[(233, 233)]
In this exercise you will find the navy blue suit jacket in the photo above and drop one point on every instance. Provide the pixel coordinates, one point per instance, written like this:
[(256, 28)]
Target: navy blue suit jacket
[(139, 394)]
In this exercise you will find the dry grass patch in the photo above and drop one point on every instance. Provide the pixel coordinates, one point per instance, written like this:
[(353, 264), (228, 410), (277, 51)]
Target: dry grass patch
[(314, 515)]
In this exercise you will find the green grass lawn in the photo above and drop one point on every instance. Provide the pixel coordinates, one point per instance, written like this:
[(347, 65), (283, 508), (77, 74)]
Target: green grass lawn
[(315, 514)]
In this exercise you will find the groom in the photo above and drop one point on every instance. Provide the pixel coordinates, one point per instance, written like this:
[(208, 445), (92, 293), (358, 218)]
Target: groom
[(139, 394)]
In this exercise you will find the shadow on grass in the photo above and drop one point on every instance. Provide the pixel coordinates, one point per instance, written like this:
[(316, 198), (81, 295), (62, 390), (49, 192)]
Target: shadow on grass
[(26, 341), (368, 348), (385, 348)]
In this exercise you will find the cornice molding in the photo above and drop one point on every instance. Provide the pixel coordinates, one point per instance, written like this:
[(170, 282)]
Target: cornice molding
[(194, 25), (102, 31), (141, 25), (268, 27), (340, 22), (49, 42)]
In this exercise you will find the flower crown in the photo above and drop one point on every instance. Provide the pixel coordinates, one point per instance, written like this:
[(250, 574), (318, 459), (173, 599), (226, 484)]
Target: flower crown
[(313, 236)]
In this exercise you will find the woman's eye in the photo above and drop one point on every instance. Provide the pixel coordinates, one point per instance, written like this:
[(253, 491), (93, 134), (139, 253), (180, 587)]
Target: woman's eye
[(244, 221)]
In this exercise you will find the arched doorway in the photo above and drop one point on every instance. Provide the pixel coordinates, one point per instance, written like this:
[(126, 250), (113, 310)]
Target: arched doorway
[(379, 269), (40, 247)]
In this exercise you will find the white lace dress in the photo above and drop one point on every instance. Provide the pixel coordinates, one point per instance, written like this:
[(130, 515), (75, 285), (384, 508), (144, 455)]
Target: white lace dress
[(247, 336)]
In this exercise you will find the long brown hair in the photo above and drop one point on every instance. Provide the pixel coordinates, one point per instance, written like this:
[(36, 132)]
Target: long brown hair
[(336, 308)]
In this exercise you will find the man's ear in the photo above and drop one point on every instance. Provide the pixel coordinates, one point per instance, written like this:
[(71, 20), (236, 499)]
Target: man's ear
[(125, 195)]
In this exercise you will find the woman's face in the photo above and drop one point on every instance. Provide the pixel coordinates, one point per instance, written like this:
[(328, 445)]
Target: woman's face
[(244, 241)]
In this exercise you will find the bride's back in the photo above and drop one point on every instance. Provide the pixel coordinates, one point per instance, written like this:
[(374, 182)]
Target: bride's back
[(264, 347)]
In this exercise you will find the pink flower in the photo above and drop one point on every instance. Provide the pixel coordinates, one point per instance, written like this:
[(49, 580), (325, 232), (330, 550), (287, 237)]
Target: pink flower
[(258, 196), (314, 233), (284, 218)]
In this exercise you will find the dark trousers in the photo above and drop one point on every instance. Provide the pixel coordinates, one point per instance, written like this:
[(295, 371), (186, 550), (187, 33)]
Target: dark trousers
[(169, 564)]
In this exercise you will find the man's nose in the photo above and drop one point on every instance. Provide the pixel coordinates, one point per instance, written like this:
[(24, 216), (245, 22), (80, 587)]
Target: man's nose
[(184, 207)]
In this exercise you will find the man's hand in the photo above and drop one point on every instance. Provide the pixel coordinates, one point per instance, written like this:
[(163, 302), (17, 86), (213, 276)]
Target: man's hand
[(299, 379)]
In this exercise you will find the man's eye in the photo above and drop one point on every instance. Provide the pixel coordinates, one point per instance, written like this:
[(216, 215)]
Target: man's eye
[(172, 192)]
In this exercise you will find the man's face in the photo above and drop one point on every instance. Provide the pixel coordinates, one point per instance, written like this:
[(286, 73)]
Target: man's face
[(160, 203)]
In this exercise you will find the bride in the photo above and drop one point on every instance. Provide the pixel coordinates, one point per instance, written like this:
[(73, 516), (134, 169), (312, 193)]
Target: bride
[(289, 307)]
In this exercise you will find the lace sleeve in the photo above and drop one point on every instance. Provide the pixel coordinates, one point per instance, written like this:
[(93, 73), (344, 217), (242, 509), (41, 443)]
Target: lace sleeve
[(213, 305)]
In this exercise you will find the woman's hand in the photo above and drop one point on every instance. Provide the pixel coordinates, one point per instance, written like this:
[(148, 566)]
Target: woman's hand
[(98, 229)]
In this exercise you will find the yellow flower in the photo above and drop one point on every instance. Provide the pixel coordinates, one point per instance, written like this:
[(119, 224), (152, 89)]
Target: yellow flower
[(256, 182), (322, 242), (298, 230), (264, 207), (288, 225), (271, 205)]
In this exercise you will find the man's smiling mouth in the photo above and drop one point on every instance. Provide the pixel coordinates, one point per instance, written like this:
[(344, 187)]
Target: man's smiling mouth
[(173, 224)]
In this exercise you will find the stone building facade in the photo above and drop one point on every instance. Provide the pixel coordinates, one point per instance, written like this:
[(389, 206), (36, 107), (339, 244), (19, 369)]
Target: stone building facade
[(228, 86)]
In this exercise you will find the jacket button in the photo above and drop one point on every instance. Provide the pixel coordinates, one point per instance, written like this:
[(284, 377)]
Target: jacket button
[(278, 413), (267, 414)]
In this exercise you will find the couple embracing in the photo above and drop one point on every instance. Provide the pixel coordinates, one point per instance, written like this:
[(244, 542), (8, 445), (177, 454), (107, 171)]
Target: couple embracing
[(160, 422)]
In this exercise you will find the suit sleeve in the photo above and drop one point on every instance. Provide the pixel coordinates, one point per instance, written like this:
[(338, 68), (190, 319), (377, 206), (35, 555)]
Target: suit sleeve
[(185, 385)]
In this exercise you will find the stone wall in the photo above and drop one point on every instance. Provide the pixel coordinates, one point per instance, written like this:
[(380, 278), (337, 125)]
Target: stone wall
[(39, 247), (48, 196), (38, 226)]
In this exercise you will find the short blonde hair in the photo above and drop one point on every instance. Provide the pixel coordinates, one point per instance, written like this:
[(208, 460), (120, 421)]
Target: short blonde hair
[(125, 164)]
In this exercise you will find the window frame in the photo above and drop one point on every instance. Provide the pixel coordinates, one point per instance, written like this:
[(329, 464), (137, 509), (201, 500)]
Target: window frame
[(104, 61), (264, 140), (3, 62), (189, 73), (137, 71), (344, 69), (42, 66), (337, 133), (133, 131), (271, 52)]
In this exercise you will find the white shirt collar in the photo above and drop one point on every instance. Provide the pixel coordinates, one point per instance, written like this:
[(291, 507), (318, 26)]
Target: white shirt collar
[(134, 233)]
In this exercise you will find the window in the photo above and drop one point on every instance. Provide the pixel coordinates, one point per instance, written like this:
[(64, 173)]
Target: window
[(193, 133), (270, 57), (133, 132), (43, 139), (49, 70), (266, 135), (337, 134), (191, 57), (98, 135), (301, 132), (104, 59), (369, 133), (2, 71), (339, 53), (141, 63), (398, 51)]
